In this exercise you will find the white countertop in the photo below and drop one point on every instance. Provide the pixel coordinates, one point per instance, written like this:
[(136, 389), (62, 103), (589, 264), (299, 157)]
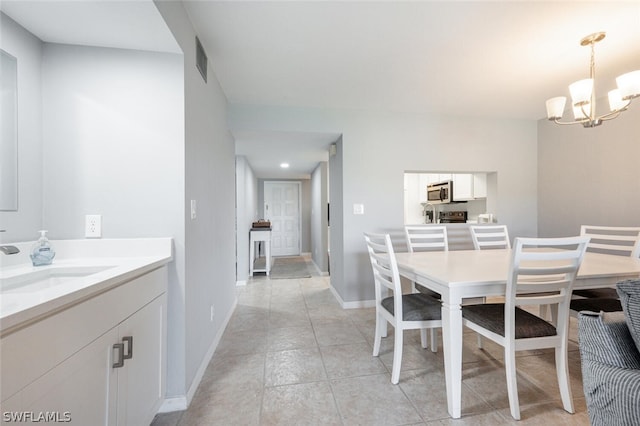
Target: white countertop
[(122, 259)]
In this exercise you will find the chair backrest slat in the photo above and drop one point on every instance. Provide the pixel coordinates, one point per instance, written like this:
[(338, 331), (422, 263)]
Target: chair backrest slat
[(616, 240), (426, 237), (490, 236)]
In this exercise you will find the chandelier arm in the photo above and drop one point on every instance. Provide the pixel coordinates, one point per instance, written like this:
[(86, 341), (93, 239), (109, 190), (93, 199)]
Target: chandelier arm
[(564, 123), (611, 115)]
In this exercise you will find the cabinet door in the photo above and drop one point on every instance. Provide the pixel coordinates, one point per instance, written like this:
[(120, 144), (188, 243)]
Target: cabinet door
[(462, 187), (479, 185), (141, 379), (81, 390)]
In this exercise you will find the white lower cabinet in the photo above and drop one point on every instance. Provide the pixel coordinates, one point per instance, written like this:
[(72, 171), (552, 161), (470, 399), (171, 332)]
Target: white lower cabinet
[(141, 378), (84, 387)]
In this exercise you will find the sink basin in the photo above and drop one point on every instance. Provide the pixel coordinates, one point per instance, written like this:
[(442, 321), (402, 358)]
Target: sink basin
[(47, 278)]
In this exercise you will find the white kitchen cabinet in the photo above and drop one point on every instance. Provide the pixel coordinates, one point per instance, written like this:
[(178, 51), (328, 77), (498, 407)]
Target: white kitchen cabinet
[(63, 363), (463, 187), (479, 185)]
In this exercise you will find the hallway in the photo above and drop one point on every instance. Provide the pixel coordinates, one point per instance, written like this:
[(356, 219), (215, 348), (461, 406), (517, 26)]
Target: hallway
[(291, 356)]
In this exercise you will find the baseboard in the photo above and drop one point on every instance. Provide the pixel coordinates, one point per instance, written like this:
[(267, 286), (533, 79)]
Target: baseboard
[(182, 402), (352, 305), (321, 273), (241, 283), (176, 403)]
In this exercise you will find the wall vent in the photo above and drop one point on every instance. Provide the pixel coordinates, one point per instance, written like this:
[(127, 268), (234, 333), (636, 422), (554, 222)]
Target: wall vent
[(201, 59)]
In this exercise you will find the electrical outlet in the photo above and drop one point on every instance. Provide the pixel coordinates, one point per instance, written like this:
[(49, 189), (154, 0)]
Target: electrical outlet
[(93, 226), (213, 312)]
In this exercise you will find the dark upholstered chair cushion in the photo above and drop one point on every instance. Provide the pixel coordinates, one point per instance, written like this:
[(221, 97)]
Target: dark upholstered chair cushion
[(604, 293), (629, 292), (491, 317), (416, 307), (596, 305), (422, 289), (604, 338)]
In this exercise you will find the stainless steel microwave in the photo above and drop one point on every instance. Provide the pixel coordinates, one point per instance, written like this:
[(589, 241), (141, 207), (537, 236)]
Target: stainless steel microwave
[(440, 193)]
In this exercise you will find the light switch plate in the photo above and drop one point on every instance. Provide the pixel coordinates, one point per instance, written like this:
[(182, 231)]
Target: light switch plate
[(193, 209), (358, 209)]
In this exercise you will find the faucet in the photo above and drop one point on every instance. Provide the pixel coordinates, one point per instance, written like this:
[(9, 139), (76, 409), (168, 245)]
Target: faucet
[(9, 250), (433, 212)]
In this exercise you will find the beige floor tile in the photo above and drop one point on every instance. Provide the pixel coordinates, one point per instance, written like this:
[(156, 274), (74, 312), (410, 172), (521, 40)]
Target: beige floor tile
[(294, 366), (242, 342), (302, 404), (280, 339), (373, 400), (234, 370), (337, 333), (225, 406), (350, 361)]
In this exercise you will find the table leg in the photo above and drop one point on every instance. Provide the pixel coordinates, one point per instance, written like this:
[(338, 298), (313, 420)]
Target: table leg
[(252, 248), (452, 346)]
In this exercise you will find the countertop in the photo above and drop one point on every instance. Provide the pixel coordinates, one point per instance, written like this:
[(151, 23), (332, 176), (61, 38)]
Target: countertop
[(123, 260)]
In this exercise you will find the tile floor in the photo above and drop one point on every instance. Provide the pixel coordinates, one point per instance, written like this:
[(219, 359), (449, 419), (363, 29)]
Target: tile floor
[(291, 356)]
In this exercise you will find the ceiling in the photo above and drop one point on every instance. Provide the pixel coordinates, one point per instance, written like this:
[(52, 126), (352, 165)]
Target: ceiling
[(480, 58)]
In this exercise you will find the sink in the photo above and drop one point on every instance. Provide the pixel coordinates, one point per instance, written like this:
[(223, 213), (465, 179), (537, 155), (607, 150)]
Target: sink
[(47, 278)]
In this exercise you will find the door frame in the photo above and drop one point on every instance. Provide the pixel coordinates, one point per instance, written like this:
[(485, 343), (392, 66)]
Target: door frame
[(264, 202)]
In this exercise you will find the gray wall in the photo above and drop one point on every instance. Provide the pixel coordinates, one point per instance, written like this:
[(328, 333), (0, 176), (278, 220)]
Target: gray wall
[(319, 220), (589, 176), (22, 225), (114, 145), (378, 147), (246, 213), (209, 173)]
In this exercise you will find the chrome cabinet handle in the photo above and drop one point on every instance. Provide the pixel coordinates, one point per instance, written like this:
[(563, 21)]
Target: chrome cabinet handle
[(120, 348), (129, 353)]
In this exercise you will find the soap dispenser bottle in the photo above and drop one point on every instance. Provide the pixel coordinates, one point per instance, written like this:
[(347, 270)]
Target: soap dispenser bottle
[(42, 252)]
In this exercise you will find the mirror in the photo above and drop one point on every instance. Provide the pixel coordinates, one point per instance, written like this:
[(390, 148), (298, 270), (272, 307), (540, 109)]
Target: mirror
[(8, 132)]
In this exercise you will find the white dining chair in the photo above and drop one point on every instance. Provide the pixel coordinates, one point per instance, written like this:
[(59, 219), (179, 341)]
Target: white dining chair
[(542, 272), (490, 236), (426, 238), (403, 311), (614, 240)]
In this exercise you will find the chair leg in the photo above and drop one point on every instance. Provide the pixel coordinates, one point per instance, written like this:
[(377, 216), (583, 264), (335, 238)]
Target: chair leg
[(480, 344), (512, 383), (397, 355), (423, 338), (434, 339), (562, 371), (381, 325)]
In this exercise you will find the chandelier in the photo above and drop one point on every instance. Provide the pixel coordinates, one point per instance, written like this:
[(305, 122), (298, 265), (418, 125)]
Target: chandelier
[(583, 96)]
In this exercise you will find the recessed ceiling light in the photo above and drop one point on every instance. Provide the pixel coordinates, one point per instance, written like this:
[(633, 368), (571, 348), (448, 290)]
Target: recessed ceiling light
[(284, 165)]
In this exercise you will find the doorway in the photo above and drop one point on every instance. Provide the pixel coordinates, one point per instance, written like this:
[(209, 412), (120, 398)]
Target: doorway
[(282, 209)]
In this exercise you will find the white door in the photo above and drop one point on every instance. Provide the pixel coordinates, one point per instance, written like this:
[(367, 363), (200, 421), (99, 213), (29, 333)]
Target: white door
[(282, 209)]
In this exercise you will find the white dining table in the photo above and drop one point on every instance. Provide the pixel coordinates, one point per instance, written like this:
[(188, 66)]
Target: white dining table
[(476, 273)]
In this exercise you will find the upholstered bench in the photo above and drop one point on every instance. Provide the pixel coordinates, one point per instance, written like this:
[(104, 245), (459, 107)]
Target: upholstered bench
[(610, 353)]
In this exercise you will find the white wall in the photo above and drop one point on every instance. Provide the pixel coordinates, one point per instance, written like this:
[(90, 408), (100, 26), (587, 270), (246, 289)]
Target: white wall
[(589, 176), (22, 225), (209, 179), (376, 150)]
